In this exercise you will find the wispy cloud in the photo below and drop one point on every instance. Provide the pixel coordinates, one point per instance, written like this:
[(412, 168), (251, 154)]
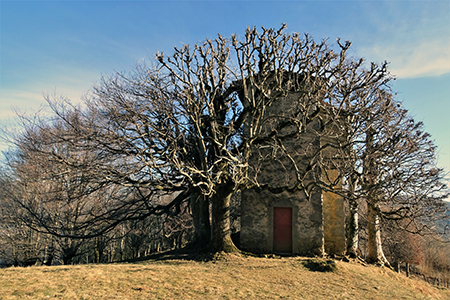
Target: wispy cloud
[(29, 99), (413, 36), (12, 101), (420, 59)]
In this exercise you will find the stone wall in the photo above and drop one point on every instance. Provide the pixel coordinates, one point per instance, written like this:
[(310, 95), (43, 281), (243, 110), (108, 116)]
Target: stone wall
[(257, 221)]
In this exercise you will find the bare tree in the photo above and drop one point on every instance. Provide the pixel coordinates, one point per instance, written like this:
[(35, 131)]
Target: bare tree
[(402, 247), (198, 125), (392, 168), (19, 245), (193, 122)]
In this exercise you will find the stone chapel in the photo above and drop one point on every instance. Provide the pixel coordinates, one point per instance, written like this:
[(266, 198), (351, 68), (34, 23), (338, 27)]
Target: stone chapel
[(307, 221)]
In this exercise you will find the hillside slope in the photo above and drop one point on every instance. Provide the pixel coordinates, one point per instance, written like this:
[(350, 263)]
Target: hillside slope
[(225, 277)]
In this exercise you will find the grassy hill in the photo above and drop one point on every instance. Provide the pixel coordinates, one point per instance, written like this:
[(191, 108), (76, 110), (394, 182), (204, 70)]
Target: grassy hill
[(223, 277)]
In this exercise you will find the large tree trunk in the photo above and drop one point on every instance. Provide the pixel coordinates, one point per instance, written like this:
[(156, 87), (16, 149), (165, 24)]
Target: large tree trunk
[(200, 216), (376, 254), (220, 225), (353, 230)]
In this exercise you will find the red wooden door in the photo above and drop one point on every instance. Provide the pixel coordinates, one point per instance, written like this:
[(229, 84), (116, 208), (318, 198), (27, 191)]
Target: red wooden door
[(282, 229)]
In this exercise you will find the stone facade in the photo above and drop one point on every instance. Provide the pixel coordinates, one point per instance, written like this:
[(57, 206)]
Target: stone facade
[(317, 220)]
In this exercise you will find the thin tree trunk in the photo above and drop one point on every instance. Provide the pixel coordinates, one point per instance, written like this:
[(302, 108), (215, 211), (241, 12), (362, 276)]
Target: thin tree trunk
[(353, 230), (352, 223), (398, 267), (201, 219), (220, 225), (376, 254)]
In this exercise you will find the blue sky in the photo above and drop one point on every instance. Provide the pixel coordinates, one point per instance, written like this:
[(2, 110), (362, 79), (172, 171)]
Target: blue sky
[(64, 47)]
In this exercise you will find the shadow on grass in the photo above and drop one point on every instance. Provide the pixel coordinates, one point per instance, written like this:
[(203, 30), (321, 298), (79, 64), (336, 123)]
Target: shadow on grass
[(192, 253), (320, 265)]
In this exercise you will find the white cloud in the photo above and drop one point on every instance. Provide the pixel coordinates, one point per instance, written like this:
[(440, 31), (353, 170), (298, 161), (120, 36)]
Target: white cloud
[(413, 36), (411, 60)]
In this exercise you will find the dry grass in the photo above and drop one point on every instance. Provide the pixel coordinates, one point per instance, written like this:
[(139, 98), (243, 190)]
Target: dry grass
[(228, 277)]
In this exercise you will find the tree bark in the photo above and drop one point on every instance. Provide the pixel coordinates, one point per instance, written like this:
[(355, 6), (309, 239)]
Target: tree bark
[(201, 219), (376, 254), (398, 267), (353, 222), (353, 230), (220, 225)]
